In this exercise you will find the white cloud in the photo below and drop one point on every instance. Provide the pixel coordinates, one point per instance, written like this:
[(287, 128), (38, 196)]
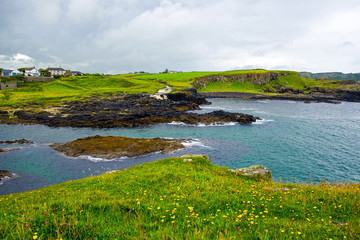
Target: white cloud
[(16, 61), (132, 35)]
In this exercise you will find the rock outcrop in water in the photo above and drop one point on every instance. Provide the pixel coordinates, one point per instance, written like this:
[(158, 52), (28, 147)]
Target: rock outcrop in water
[(5, 173), (130, 110), (109, 147), (21, 141), (2, 150)]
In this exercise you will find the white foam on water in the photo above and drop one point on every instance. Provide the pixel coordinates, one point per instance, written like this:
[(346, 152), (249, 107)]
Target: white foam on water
[(217, 124), (262, 121), (263, 101), (194, 143), (176, 123), (204, 125), (95, 159), (6, 178)]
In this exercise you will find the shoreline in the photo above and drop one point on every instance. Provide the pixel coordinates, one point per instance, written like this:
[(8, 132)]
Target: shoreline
[(293, 97)]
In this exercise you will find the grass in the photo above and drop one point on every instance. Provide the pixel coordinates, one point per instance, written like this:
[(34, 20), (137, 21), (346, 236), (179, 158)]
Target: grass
[(291, 80), (177, 199), (177, 81), (183, 80), (80, 87), (74, 88)]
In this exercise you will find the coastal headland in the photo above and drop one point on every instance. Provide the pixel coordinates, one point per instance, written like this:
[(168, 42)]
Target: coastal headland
[(127, 110), (133, 100)]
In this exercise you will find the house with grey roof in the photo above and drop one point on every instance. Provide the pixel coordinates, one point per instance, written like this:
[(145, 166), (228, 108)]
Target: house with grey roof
[(10, 72), (76, 73), (56, 71)]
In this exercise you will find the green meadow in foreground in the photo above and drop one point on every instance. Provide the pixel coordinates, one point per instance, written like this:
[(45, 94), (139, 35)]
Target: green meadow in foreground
[(181, 198)]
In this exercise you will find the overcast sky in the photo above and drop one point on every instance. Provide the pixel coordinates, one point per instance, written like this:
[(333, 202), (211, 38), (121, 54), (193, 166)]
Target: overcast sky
[(120, 36)]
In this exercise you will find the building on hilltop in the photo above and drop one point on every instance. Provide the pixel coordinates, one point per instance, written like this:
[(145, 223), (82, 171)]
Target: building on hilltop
[(76, 73), (9, 72), (56, 71), (32, 72)]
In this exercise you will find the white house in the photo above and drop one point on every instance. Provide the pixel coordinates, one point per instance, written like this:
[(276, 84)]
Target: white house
[(56, 71), (32, 72), (15, 72), (8, 73)]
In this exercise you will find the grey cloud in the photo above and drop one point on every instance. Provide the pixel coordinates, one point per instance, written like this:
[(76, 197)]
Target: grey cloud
[(130, 35)]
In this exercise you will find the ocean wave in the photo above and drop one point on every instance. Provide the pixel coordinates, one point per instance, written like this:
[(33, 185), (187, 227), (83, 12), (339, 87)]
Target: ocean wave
[(217, 124), (204, 125), (263, 101), (194, 143), (262, 121), (6, 178), (96, 159), (218, 108), (177, 123)]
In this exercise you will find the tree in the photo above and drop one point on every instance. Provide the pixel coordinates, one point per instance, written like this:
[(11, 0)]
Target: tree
[(44, 72), (22, 70), (166, 71)]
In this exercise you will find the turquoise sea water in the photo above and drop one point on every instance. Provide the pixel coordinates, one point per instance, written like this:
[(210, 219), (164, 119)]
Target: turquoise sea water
[(297, 141)]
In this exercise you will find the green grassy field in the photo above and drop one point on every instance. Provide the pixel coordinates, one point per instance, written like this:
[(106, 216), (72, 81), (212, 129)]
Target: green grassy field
[(80, 87), (177, 199), (292, 80), (74, 88), (177, 81)]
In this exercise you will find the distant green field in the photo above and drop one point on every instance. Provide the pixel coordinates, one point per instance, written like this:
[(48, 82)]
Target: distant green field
[(78, 87), (292, 80), (175, 80), (184, 79)]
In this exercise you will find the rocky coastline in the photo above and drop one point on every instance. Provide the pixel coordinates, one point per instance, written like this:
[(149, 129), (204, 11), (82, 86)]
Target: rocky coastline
[(20, 141), (331, 97), (126, 110), (109, 147)]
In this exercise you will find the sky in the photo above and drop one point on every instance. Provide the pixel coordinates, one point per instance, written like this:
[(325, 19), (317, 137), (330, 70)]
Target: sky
[(121, 36)]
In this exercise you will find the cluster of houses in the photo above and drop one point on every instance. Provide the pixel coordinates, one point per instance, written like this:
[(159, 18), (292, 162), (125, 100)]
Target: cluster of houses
[(36, 73)]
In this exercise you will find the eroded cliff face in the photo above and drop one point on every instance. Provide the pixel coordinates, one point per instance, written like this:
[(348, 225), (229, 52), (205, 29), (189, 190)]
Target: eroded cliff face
[(256, 78)]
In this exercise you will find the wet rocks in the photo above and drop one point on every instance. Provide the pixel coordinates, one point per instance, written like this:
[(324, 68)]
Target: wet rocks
[(132, 110), (2, 150), (5, 173), (109, 147), (21, 141)]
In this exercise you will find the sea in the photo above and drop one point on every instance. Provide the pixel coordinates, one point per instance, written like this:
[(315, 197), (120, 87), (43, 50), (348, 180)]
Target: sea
[(299, 142)]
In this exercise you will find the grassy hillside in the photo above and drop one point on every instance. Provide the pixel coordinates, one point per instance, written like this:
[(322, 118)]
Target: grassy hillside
[(76, 87), (176, 198), (176, 80), (291, 81), (184, 80)]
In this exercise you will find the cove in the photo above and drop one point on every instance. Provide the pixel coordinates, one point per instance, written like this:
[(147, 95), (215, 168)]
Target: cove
[(297, 141)]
